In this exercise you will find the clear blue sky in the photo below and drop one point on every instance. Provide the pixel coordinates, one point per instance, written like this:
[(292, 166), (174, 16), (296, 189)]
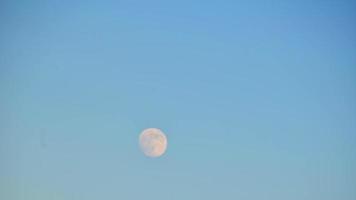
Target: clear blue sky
[(257, 98)]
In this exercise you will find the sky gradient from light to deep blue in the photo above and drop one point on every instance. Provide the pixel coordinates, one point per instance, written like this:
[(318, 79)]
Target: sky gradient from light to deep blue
[(257, 99)]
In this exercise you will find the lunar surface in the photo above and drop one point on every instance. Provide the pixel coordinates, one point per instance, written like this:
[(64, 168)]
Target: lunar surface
[(153, 142)]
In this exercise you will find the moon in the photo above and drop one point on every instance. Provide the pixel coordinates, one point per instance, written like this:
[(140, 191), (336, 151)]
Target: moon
[(153, 142)]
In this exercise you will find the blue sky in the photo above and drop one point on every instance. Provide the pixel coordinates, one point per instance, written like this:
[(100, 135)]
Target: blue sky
[(257, 99)]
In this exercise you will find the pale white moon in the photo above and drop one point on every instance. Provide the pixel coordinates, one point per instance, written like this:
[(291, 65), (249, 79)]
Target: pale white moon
[(153, 142)]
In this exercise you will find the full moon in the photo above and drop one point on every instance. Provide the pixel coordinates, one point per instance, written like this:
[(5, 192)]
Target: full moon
[(153, 142)]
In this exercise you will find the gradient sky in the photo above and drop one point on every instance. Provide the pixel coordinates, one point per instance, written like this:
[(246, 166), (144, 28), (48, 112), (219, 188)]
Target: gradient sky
[(257, 99)]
